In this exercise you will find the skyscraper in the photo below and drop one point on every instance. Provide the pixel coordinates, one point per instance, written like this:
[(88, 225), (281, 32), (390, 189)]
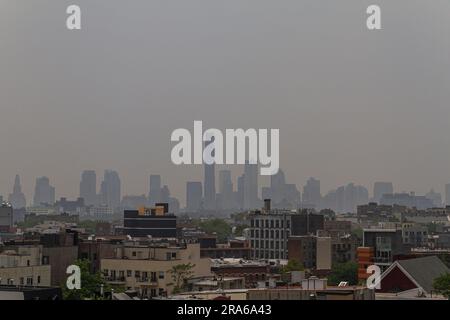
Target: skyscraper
[(44, 193), (311, 193), (110, 193), (447, 194), (209, 184), (193, 196), (277, 183), (435, 197), (251, 186), (88, 187), (283, 195), (225, 189), (240, 192), (380, 188), (154, 194), (17, 198)]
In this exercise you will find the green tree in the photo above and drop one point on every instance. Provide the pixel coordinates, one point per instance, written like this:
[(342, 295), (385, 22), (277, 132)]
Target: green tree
[(442, 285), (292, 265), (218, 226), (357, 232), (88, 225), (347, 271), (239, 231), (180, 273), (90, 284)]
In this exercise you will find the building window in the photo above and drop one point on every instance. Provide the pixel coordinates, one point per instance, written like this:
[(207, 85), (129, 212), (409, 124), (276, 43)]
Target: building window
[(129, 273), (29, 281), (133, 253), (137, 274), (21, 281), (161, 275), (105, 272), (39, 279)]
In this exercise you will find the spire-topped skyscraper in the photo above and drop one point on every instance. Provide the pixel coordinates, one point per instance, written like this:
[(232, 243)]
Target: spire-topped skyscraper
[(17, 198)]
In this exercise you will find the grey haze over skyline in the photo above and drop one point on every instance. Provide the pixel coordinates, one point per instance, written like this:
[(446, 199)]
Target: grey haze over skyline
[(352, 105)]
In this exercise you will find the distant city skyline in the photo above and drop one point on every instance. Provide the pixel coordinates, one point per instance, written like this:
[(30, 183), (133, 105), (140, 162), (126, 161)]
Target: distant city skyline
[(110, 191), (351, 105)]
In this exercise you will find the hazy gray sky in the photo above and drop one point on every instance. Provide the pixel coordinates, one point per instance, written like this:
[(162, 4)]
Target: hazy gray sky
[(352, 105)]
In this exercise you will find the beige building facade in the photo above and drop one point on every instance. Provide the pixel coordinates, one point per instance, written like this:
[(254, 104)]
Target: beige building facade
[(23, 266), (146, 268)]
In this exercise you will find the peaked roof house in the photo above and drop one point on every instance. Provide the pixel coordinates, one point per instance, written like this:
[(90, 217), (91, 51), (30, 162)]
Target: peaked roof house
[(412, 277)]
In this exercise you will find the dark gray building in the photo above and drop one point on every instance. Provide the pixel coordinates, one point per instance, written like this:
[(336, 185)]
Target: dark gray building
[(6, 217), (194, 196), (387, 244), (271, 229), (151, 222)]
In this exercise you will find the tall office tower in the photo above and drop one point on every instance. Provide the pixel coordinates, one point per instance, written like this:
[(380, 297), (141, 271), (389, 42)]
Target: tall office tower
[(44, 193), (350, 198), (165, 194), (330, 200), (154, 194), (311, 193), (225, 189), (88, 187), (110, 189), (17, 198), (174, 204), (240, 192), (380, 188), (209, 184), (435, 198), (447, 194), (251, 186), (277, 185), (194, 194), (340, 199)]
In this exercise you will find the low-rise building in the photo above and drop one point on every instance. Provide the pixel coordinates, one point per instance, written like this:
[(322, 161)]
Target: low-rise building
[(215, 283), (312, 289), (253, 271), (23, 266), (412, 277), (147, 267), (6, 217), (271, 229), (153, 222)]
